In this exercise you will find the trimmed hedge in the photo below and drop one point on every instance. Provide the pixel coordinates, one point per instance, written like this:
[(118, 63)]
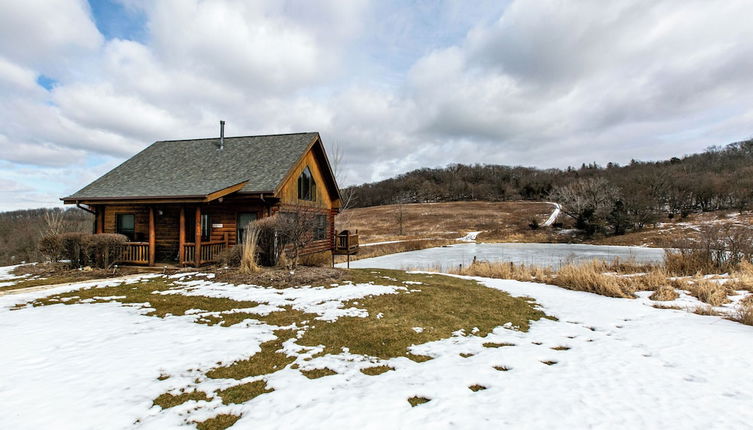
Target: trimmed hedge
[(83, 249)]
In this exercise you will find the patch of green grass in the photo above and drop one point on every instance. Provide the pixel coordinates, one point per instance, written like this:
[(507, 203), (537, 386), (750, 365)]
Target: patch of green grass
[(269, 360), (220, 422), (466, 354), (440, 304), (168, 400), (418, 358), (148, 293), (497, 344), (476, 387), (417, 400), (244, 392), (376, 370), (318, 373)]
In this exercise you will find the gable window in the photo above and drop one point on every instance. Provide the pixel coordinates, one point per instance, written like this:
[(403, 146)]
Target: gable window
[(306, 185), (126, 225)]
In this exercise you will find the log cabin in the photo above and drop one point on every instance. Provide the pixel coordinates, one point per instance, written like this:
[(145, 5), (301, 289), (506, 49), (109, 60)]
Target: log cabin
[(185, 201)]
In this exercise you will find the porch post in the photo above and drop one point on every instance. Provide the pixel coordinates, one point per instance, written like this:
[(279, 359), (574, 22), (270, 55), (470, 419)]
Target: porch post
[(197, 252), (182, 236), (152, 237)]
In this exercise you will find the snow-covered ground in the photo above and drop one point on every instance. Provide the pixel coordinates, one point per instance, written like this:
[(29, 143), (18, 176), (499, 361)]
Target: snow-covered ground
[(543, 254), (628, 366)]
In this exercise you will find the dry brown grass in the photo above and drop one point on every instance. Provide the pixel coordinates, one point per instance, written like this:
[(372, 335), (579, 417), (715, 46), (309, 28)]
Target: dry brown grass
[(168, 400), (269, 360), (417, 400), (664, 293), (376, 370), (244, 392), (318, 373), (742, 277), (744, 312), (219, 422), (476, 387), (709, 291), (52, 274), (447, 220)]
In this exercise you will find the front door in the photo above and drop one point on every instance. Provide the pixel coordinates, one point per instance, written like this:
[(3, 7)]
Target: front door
[(244, 218), (166, 220)]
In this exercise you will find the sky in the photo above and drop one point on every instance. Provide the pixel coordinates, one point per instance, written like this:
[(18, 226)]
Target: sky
[(391, 85)]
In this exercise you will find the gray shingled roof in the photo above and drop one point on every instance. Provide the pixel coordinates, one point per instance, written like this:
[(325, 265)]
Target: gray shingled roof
[(182, 168)]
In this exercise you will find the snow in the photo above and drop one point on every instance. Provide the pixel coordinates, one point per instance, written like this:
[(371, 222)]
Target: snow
[(553, 217), (470, 237), (544, 254), (629, 366)]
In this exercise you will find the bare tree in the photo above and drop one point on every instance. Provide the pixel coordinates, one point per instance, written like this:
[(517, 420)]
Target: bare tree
[(298, 231), (589, 201), (54, 222), (348, 195)]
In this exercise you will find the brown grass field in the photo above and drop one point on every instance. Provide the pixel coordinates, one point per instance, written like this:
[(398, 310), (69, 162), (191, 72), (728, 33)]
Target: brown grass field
[(500, 221)]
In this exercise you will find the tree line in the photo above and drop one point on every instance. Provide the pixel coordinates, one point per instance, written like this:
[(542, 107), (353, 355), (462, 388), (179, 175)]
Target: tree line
[(610, 199), (21, 230)]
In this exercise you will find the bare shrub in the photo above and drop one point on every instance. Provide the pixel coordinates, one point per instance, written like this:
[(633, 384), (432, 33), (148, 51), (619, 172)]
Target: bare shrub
[(664, 293), (82, 249), (51, 247), (297, 229), (248, 257), (720, 248), (318, 259), (270, 241), (231, 257), (103, 250)]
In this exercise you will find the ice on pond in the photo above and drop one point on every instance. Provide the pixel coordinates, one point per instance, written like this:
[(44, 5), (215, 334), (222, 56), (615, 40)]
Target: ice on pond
[(542, 254)]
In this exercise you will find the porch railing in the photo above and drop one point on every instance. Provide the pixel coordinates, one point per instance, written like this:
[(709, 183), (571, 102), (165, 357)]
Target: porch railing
[(209, 252), (135, 253)]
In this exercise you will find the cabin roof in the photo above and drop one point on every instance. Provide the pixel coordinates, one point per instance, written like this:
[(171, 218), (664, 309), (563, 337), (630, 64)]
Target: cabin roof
[(198, 168)]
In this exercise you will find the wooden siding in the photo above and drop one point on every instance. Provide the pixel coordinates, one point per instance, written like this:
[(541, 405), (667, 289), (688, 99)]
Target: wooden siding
[(288, 194), (141, 229)]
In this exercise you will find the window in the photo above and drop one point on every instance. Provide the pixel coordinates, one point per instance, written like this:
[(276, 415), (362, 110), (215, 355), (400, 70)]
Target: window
[(306, 185), (320, 227), (126, 225), (244, 218), (205, 227)]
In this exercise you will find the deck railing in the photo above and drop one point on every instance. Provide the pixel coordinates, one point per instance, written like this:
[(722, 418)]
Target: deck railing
[(209, 252), (135, 253)]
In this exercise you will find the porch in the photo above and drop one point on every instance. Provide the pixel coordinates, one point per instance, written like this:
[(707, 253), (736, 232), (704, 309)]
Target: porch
[(145, 252)]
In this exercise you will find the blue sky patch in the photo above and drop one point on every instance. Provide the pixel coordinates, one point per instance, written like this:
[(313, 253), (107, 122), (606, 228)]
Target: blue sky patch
[(46, 82), (116, 21)]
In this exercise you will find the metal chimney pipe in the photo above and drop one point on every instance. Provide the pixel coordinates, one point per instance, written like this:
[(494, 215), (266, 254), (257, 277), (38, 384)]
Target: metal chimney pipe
[(222, 134)]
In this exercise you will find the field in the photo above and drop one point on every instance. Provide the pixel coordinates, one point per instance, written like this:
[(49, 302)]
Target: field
[(508, 221), (373, 349)]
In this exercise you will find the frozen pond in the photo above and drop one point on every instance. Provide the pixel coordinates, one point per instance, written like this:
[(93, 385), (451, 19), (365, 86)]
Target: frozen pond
[(541, 254)]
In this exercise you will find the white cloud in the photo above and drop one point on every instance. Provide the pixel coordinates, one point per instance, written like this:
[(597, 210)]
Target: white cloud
[(396, 86), (47, 34)]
